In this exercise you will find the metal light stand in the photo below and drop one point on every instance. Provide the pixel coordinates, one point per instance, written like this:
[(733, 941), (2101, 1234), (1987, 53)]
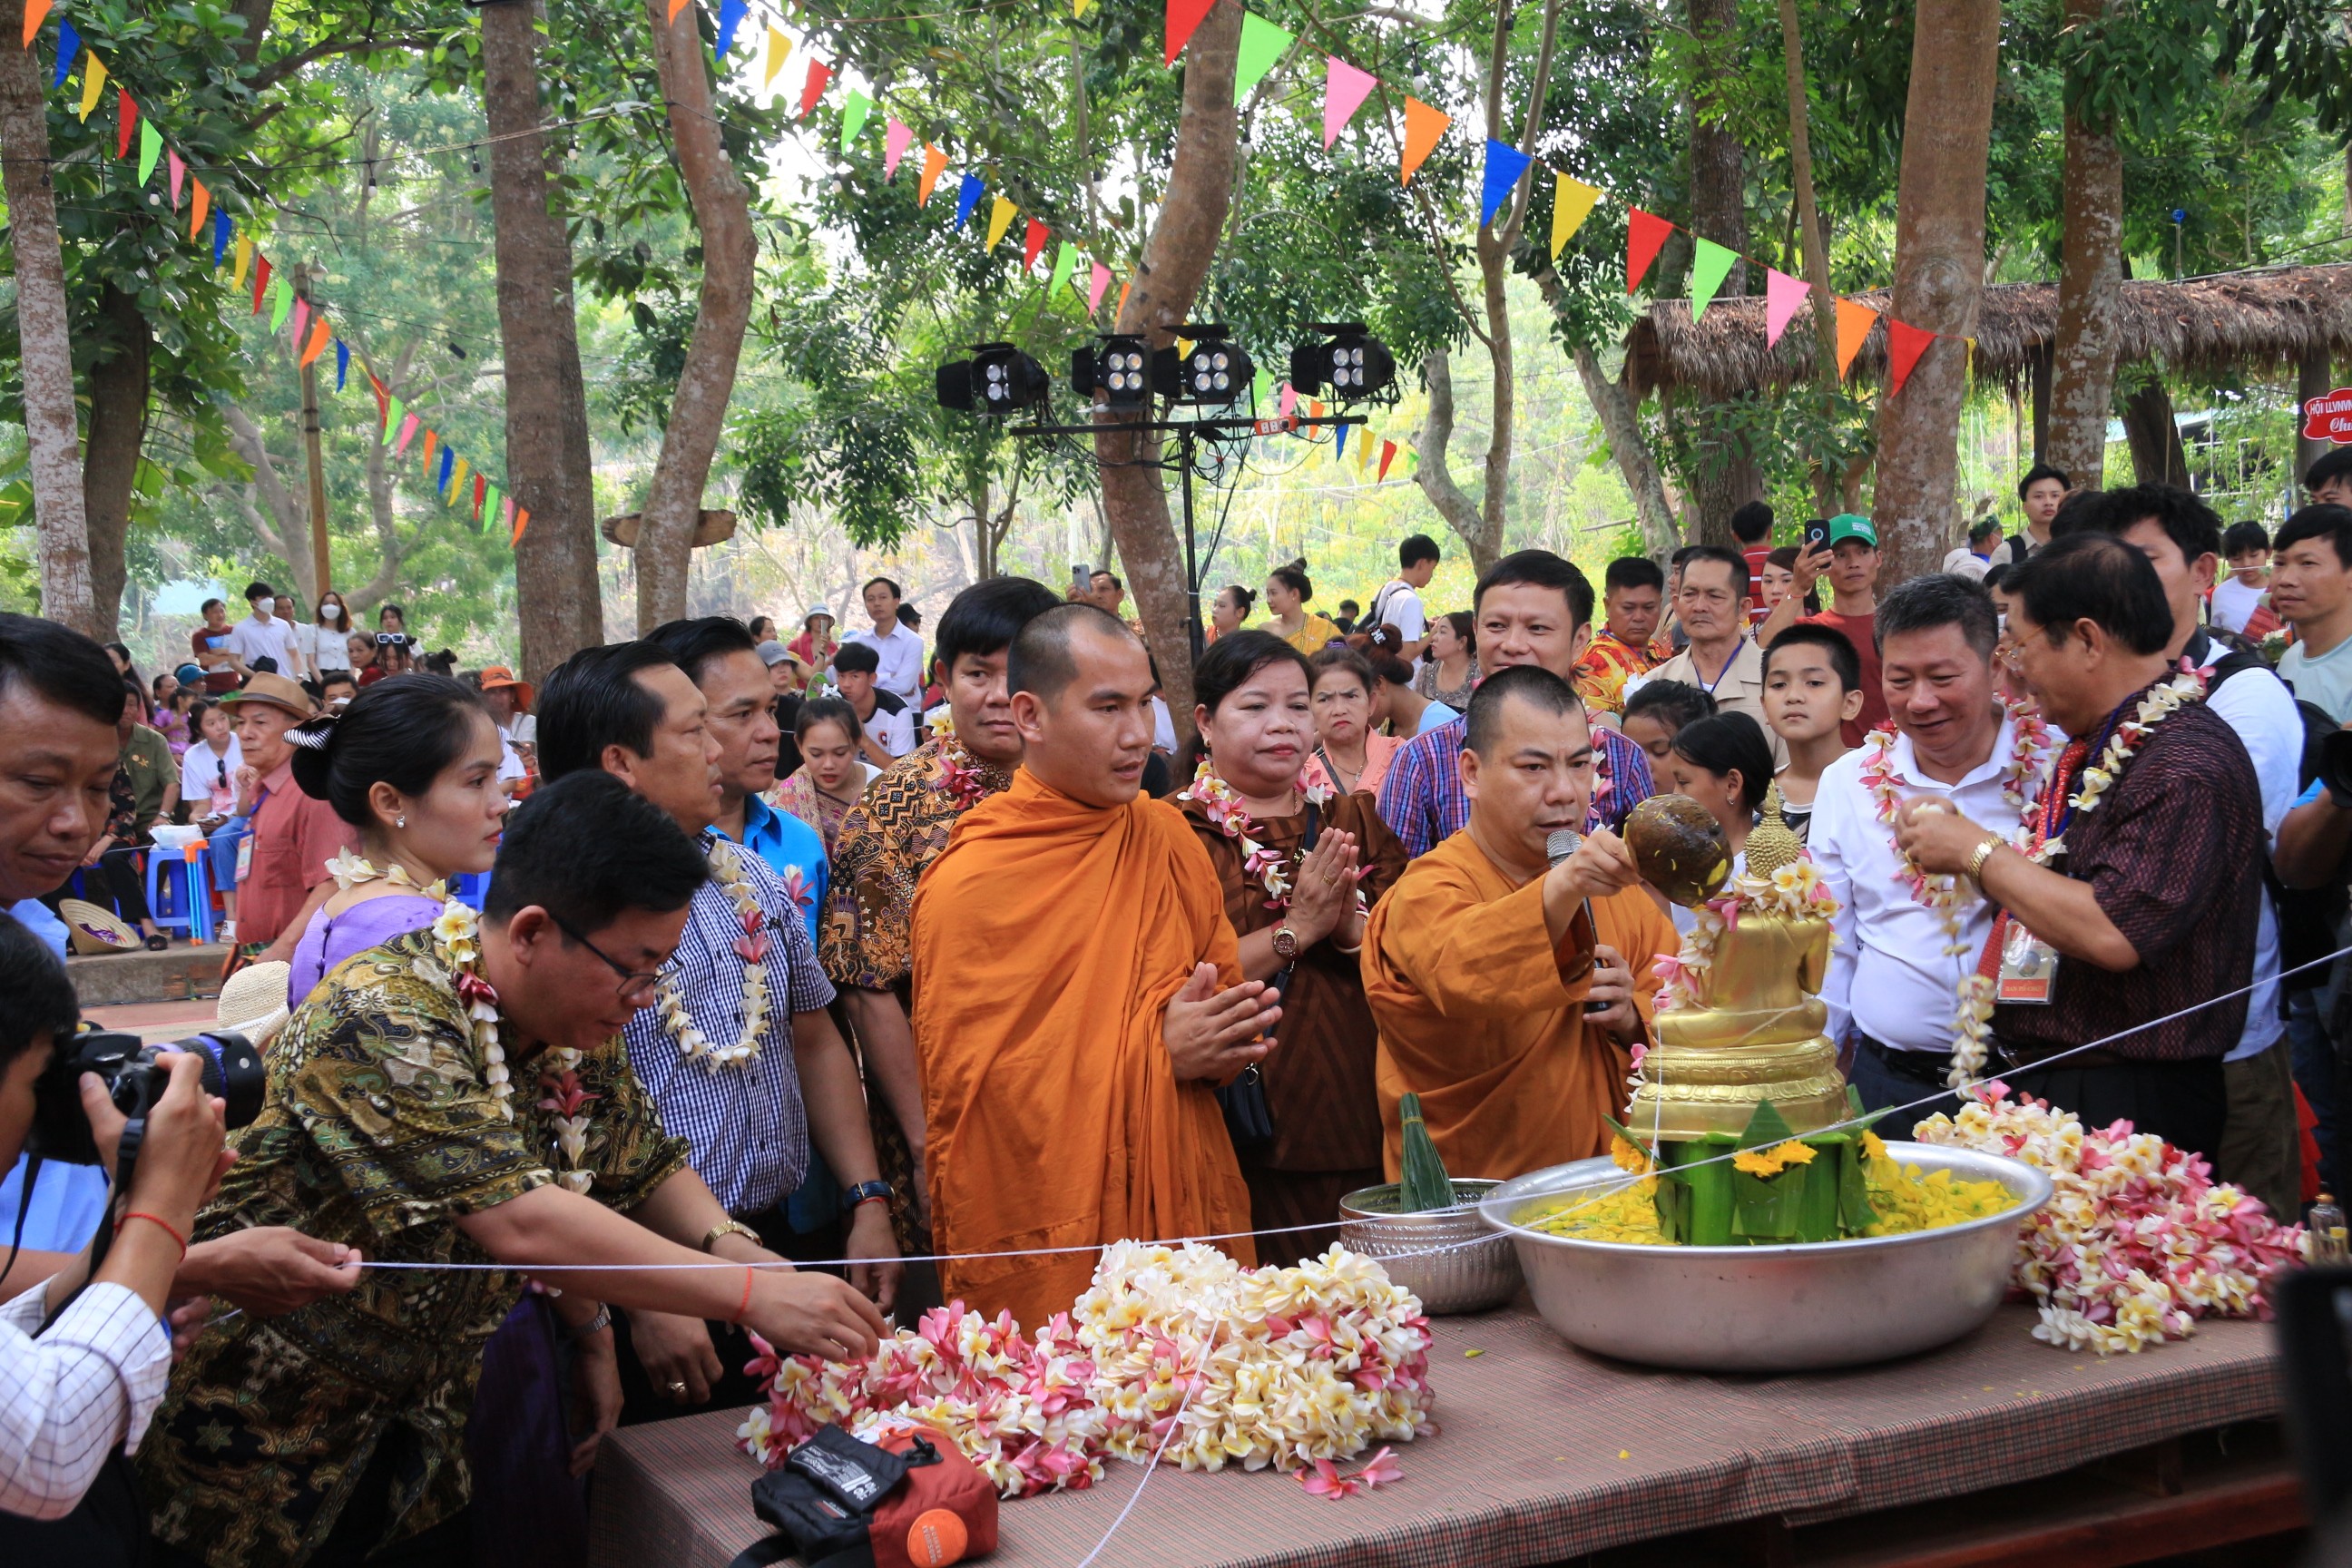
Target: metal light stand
[(1189, 433)]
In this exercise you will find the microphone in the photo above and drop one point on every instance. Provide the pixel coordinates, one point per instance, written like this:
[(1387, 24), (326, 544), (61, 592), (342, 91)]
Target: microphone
[(1559, 845)]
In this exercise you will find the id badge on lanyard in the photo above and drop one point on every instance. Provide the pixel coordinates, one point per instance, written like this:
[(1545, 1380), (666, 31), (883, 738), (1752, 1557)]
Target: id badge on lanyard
[(2029, 967), (245, 858)]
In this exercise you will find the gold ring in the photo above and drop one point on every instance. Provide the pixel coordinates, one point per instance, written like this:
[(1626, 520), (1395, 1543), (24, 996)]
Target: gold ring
[(678, 1389)]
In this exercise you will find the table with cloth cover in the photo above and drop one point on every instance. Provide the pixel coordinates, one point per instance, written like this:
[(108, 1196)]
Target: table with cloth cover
[(1547, 1453)]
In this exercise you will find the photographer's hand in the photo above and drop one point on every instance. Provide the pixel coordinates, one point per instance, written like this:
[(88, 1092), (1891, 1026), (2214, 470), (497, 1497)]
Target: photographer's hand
[(181, 1162)]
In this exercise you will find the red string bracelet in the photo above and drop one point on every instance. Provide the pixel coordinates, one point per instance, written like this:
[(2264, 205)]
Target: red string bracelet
[(745, 1305), (160, 1225)]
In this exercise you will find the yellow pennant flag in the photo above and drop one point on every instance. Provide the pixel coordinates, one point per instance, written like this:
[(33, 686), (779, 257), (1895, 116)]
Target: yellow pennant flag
[(1079, 8), (93, 77), (244, 261), (1572, 203), (999, 218), (779, 49), (456, 482)]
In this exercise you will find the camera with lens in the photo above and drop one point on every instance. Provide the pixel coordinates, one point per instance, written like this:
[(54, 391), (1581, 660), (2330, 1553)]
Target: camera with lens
[(2336, 767), (135, 1079)]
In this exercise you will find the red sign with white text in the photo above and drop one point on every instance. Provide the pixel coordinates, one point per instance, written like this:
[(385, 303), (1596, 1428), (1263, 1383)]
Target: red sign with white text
[(2329, 419)]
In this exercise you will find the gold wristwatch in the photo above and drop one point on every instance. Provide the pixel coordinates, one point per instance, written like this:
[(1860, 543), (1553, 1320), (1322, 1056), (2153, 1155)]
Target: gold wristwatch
[(1993, 841), (730, 1228)]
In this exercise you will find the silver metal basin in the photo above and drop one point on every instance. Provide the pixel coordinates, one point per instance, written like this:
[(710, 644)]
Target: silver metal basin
[(1768, 1308), (1448, 1257)]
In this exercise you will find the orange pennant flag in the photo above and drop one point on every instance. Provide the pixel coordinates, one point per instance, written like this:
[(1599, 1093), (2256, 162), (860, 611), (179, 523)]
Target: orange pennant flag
[(674, 7), (522, 520), (34, 11), (320, 338), (1422, 127), (198, 209), (934, 160), (432, 439), (1124, 289), (1853, 324)]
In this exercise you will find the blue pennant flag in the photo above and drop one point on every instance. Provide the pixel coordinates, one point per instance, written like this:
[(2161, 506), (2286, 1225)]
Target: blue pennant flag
[(1505, 164), (448, 462), (220, 236), (68, 45), (730, 16), (343, 362), (1339, 440), (967, 199)]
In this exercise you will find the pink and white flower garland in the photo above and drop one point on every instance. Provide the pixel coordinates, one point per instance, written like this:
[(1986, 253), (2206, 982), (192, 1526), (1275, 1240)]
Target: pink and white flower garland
[(1222, 805), (752, 947), (1945, 896), (2138, 1241), (1293, 1368)]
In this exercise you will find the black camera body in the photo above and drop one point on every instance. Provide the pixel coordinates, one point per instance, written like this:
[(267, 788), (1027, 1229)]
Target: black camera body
[(135, 1079)]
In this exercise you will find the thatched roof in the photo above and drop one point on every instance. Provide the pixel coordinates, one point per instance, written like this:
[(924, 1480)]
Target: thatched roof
[(2230, 321)]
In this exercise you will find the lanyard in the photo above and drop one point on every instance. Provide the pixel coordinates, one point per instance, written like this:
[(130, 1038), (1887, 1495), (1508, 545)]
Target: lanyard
[(1709, 686)]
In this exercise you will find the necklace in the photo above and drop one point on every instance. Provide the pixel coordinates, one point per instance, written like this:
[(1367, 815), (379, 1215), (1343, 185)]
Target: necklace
[(350, 869), (1948, 896), (963, 778), (752, 947), (1332, 768), (1222, 805), (456, 932)]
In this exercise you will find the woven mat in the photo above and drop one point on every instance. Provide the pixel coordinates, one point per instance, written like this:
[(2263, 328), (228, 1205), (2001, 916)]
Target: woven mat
[(1547, 1453)]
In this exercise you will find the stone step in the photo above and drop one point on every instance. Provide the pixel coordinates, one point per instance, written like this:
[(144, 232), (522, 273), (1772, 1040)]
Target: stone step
[(175, 974)]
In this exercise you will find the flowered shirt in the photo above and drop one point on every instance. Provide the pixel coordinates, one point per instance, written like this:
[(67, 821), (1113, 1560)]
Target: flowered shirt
[(894, 831), (379, 1129), (1608, 664)]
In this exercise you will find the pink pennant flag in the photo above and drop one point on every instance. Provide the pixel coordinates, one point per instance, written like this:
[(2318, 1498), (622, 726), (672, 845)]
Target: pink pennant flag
[(179, 173), (1289, 401), (1101, 280), (895, 143), (407, 434), (1344, 90), (1782, 295), (302, 320)]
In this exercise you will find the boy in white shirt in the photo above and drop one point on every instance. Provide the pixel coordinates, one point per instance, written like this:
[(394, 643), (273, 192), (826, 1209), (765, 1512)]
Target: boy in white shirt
[(2247, 588), (1399, 603), (262, 635)]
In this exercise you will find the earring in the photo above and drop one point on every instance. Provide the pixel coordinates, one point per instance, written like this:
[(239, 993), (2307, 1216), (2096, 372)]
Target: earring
[(400, 822)]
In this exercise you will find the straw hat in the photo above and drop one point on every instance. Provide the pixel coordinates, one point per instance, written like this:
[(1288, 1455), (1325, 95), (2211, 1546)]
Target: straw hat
[(497, 677), (94, 930), (253, 1002), (275, 690)]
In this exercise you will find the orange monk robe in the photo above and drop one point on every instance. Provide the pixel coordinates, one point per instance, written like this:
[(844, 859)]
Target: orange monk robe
[(1048, 939), (1483, 1016)]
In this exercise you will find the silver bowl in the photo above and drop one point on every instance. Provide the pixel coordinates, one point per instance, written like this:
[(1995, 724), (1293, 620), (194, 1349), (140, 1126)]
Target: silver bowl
[(1790, 1308), (1449, 1258)]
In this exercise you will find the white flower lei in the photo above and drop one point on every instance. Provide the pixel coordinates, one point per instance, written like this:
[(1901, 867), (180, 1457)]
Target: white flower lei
[(456, 937), (349, 868), (1222, 807), (2020, 789), (727, 870)]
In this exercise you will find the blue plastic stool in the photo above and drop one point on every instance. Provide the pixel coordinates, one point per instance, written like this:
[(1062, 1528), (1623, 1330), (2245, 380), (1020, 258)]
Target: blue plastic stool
[(188, 878)]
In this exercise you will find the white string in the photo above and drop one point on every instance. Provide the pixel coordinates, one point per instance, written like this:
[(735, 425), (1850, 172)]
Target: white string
[(1199, 1376)]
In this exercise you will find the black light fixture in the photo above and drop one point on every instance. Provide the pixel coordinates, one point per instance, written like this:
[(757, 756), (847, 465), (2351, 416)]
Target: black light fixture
[(997, 379), (1119, 369), (1352, 362), (1215, 370)]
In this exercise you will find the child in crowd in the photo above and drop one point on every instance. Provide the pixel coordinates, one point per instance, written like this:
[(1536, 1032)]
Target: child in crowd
[(2243, 596), (1812, 687), (1655, 711)]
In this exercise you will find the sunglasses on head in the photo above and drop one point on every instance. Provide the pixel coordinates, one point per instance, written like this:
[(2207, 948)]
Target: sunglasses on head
[(391, 639)]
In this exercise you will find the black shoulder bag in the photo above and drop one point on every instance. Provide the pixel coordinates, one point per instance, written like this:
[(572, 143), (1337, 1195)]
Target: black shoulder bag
[(1249, 1119)]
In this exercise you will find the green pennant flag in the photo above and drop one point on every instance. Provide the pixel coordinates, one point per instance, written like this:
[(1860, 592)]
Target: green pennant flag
[(1263, 44), (284, 307), (1710, 264), (489, 506), (853, 116), (151, 147), (1065, 260), (393, 410), (1262, 384)]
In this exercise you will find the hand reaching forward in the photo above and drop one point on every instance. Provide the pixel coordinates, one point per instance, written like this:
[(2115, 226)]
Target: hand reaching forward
[(813, 1314), (1213, 1033)]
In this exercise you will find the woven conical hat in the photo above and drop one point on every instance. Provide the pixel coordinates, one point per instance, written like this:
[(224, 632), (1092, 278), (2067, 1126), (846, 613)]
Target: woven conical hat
[(94, 930)]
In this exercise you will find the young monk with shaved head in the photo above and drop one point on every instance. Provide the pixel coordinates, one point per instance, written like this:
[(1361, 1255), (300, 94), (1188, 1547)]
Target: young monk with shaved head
[(1077, 995)]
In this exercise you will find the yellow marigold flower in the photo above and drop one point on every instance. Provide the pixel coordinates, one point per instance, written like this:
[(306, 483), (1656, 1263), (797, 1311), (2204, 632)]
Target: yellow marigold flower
[(1874, 1147), (1629, 1156)]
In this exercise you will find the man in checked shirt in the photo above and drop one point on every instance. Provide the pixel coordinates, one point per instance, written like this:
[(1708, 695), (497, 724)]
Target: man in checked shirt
[(737, 1050)]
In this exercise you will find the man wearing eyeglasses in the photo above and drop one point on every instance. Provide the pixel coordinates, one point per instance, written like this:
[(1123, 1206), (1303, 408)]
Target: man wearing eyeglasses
[(746, 1092)]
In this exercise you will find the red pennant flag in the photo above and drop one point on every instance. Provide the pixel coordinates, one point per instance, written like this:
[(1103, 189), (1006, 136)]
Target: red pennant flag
[(1388, 455), (819, 73), (1905, 345), (383, 400), (126, 120), (1184, 17), (1034, 241), (481, 489), (261, 284), (1645, 236)]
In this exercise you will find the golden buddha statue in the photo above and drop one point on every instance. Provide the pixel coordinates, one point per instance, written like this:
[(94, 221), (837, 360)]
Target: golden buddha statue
[(1748, 1028)]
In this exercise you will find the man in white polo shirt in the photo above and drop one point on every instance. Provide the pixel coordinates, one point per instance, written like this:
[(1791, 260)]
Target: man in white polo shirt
[(262, 635), (1399, 603), (1892, 987), (898, 651)]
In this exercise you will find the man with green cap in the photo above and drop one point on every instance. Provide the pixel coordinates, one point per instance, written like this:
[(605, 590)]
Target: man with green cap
[(1850, 558)]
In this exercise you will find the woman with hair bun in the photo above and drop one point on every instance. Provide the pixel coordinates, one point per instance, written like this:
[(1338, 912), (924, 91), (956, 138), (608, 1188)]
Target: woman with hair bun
[(1287, 590), (1229, 609), (412, 764)]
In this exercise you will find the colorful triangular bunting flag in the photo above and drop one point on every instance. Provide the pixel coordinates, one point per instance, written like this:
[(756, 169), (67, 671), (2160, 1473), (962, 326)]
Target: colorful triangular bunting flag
[(896, 139), (1263, 46), (1852, 325), (999, 218), (1094, 286), (1905, 345), (730, 16), (151, 147), (1344, 90), (1572, 203), (34, 11), (854, 111), (1782, 296), (68, 45), (1065, 261), (1645, 236), (780, 49), (1505, 164), (1184, 18), (934, 164), (1710, 265), (811, 89), (967, 199), (1422, 127), (1032, 240), (1388, 455)]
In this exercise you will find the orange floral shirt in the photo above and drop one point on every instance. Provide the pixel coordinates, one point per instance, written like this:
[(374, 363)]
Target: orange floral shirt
[(1608, 664)]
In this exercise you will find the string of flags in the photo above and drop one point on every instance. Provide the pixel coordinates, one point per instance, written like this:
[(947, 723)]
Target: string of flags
[(455, 480)]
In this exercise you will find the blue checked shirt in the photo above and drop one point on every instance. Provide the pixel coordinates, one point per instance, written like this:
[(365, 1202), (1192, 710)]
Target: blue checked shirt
[(746, 1124), (1423, 799)]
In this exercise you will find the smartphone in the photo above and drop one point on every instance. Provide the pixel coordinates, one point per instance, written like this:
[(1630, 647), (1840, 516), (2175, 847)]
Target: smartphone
[(1081, 579), (1817, 534)]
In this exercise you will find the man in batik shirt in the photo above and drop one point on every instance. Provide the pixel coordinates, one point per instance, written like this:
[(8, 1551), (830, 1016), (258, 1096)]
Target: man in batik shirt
[(1632, 600), (458, 1096), (898, 828)]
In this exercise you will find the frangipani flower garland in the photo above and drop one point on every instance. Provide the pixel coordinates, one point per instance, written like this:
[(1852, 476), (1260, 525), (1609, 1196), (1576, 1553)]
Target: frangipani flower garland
[(2138, 1241), (1222, 805), (456, 939), (1293, 1368), (752, 947)]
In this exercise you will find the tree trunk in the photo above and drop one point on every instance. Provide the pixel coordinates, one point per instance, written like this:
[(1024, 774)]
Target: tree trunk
[(277, 516), (1719, 212), (557, 596), (2312, 379), (118, 428), (1801, 169), (1436, 475), (697, 411), (1939, 247), (2156, 455), (45, 347), (1621, 424), (2038, 378), (2090, 288), (1175, 260)]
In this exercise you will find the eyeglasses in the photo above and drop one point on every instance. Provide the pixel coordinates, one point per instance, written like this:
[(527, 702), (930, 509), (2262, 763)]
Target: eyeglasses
[(637, 986), (391, 639)]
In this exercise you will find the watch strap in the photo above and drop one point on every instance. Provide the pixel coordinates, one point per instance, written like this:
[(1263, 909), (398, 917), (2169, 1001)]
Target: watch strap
[(731, 1226)]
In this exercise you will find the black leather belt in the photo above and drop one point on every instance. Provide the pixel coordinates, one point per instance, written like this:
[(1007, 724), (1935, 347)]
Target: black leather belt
[(1912, 1067)]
